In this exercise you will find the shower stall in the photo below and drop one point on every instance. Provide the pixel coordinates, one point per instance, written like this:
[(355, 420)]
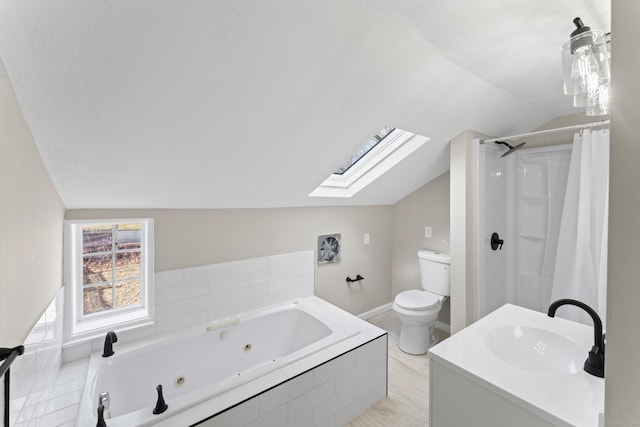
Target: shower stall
[(520, 200)]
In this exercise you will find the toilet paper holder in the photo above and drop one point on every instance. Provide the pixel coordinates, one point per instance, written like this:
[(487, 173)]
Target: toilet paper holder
[(357, 279)]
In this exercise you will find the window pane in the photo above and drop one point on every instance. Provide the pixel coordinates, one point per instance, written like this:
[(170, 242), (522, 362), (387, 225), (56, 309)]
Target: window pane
[(97, 269), (128, 293), (127, 265), (96, 238), (128, 236), (97, 298)]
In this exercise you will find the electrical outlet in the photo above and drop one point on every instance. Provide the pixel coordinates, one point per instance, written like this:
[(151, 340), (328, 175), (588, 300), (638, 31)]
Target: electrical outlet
[(427, 231), (365, 239)]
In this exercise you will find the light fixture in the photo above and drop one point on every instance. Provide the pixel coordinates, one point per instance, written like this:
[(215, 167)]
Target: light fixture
[(586, 70)]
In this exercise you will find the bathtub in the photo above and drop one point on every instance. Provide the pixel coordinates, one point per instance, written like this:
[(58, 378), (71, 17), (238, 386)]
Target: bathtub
[(207, 369)]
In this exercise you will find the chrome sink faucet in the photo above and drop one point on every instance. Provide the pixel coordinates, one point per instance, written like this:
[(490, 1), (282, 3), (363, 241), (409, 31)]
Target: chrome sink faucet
[(594, 364)]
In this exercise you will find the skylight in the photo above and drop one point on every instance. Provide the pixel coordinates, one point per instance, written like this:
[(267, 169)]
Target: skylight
[(364, 149), (382, 152)]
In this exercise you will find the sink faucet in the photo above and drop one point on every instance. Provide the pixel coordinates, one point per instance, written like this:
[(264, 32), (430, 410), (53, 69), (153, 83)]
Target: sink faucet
[(595, 362), (108, 343)]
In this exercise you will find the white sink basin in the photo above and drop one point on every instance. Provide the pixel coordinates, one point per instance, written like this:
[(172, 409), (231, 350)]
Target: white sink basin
[(537, 350)]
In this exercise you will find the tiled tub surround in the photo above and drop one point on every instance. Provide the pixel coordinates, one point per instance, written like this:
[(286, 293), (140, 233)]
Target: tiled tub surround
[(196, 295), (320, 366), (35, 399)]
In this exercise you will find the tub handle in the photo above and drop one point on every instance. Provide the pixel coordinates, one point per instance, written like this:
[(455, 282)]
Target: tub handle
[(222, 325)]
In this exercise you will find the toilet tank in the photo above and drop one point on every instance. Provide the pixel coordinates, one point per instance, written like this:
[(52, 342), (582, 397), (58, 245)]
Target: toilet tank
[(434, 271)]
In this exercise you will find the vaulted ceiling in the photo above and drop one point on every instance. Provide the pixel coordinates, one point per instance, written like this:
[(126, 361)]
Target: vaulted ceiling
[(253, 103)]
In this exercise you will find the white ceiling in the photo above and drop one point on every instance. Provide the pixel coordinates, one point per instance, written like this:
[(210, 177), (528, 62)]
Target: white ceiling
[(253, 103)]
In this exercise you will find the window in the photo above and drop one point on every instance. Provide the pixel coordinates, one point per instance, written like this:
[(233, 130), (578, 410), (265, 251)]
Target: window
[(382, 152), (109, 272)]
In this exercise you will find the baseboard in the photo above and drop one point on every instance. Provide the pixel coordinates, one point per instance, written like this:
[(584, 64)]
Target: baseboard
[(374, 312), (443, 327)]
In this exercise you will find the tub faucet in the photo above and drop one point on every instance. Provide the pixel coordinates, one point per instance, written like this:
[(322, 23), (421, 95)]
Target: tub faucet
[(595, 362), (108, 343)]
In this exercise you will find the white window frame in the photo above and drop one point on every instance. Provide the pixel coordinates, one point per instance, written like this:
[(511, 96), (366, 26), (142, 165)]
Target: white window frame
[(80, 328), (394, 148)]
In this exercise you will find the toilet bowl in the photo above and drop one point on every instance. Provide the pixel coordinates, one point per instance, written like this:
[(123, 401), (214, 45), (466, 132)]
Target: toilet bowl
[(418, 309)]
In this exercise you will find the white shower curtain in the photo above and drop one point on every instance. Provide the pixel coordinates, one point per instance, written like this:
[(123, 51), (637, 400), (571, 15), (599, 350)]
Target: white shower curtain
[(581, 261)]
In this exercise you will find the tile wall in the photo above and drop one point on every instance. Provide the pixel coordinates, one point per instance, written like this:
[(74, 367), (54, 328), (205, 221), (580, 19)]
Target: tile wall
[(37, 399), (188, 296), (329, 395)]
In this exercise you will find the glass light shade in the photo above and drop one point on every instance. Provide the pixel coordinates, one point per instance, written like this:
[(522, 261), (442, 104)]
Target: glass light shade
[(586, 71)]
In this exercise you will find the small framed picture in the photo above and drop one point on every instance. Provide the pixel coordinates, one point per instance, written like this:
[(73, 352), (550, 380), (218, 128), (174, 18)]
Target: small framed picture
[(329, 248)]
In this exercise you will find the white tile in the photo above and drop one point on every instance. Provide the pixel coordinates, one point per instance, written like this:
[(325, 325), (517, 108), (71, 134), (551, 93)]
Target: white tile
[(66, 388), (333, 405), (308, 400), (169, 310), (306, 363), (304, 420), (350, 412), (72, 371), (270, 275), (277, 261), (168, 295), (354, 375), (60, 417), (275, 418), (248, 266), (76, 352), (248, 292), (308, 257), (170, 325), (230, 282), (238, 416), (285, 392), (371, 349), (370, 382), (206, 272), (168, 279), (334, 368), (380, 361), (206, 302), (63, 401), (329, 422), (228, 310), (284, 284)]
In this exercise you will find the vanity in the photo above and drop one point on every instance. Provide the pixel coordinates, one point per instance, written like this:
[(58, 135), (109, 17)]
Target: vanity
[(515, 367)]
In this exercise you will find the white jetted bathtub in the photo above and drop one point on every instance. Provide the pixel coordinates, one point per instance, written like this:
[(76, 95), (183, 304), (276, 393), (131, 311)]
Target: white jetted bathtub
[(206, 370)]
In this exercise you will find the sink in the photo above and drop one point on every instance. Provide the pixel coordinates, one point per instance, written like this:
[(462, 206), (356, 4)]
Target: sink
[(537, 350)]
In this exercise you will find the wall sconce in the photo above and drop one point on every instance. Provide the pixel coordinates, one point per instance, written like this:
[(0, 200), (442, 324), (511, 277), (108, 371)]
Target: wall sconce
[(586, 69)]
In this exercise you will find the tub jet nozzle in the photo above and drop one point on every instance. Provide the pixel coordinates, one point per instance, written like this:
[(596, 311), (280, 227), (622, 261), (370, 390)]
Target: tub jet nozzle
[(161, 406)]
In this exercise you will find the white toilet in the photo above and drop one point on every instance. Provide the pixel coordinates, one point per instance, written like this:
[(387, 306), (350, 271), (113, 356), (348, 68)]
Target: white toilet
[(417, 309)]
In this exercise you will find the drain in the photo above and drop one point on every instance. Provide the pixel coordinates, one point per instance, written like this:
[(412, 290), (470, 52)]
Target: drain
[(247, 348), (179, 381)]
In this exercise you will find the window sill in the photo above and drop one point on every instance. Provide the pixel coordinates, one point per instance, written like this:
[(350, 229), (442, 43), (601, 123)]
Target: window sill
[(91, 330)]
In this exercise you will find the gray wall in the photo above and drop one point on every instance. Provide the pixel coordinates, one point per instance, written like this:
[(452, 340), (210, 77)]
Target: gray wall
[(622, 380), (31, 215), (427, 206), (191, 237)]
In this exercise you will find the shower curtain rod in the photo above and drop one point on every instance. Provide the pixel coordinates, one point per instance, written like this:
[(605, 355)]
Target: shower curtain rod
[(546, 131)]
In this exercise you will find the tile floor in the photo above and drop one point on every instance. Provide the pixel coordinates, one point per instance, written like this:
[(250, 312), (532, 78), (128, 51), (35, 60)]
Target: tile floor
[(407, 401)]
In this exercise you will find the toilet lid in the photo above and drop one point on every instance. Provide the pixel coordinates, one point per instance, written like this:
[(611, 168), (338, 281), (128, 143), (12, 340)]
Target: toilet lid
[(416, 300)]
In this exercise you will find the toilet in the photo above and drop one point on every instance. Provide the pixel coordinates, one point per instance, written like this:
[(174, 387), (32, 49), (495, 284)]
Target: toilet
[(418, 309)]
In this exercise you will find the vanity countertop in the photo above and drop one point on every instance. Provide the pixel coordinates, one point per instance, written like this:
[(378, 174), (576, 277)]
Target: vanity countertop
[(562, 393)]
